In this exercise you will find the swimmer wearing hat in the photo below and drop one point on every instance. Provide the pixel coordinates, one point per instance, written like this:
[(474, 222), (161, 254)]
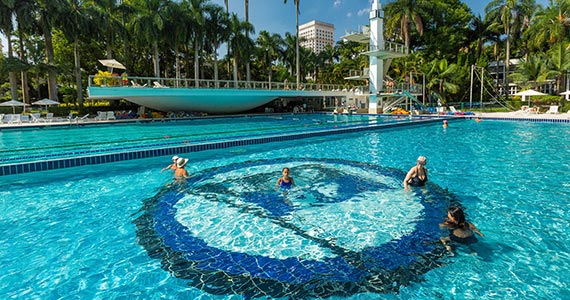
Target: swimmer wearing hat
[(445, 124), (180, 172), (171, 166)]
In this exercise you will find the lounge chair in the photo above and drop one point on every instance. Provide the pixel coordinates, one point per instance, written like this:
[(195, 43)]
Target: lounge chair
[(1, 118), (49, 117), (111, 115), (158, 85), (101, 116), (36, 118), (15, 119), (553, 109)]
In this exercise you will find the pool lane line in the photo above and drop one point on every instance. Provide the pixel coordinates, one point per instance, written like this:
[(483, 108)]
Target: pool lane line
[(60, 146)]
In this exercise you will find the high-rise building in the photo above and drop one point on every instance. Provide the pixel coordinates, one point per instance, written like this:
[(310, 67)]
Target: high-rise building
[(315, 35)]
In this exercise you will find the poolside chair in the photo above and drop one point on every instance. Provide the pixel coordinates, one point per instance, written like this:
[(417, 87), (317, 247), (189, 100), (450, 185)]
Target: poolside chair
[(158, 85), (101, 116), (553, 109), (36, 118), (111, 115), (1, 118), (15, 119), (49, 117)]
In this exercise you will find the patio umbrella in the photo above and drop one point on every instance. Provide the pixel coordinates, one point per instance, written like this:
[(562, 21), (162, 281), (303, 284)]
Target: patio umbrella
[(112, 63), (529, 93), (46, 102), (13, 103), (567, 94)]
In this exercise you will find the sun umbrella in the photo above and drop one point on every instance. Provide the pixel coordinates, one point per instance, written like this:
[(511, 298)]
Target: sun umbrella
[(529, 93), (46, 102), (567, 94), (13, 103), (113, 64)]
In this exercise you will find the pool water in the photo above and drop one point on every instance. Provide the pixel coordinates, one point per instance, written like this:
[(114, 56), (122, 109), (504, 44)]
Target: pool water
[(347, 231), (52, 142)]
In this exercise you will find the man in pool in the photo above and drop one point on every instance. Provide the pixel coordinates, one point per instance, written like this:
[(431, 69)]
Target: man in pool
[(171, 166), (417, 176)]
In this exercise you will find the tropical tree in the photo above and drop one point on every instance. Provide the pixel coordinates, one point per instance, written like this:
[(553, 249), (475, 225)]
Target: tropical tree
[(271, 48), (403, 14), (441, 75), (217, 30), (552, 27), (74, 21), (47, 14), (148, 25), (25, 23), (6, 27), (240, 46), (298, 66)]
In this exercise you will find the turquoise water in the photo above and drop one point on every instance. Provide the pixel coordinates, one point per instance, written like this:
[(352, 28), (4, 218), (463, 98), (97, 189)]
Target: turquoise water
[(84, 232), (52, 142)]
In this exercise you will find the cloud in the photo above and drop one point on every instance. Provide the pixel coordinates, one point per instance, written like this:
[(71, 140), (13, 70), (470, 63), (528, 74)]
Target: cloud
[(363, 11), (349, 14), (337, 3)]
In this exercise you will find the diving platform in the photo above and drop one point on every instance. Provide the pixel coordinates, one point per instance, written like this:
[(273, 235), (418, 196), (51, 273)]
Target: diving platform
[(209, 96)]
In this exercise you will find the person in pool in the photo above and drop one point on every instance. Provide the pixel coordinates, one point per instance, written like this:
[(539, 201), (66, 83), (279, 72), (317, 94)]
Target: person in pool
[(285, 182), (460, 230), (171, 166), (181, 173), (418, 174), (445, 125)]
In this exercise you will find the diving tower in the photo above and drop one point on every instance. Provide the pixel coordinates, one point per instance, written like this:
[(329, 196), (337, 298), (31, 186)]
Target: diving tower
[(381, 96)]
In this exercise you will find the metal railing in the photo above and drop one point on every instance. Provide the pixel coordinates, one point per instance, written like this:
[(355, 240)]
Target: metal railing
[(391, 47), (155, 82)]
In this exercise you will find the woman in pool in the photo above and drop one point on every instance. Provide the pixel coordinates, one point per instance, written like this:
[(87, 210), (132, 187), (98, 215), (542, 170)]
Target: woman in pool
[(171, 166), (181, 173), (417, 176), (285, 182), (460, 230)]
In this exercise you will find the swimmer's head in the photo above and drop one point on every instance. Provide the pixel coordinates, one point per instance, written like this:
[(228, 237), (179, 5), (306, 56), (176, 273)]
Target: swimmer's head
[(421, 160), (175, 158), (444, 121), (457, 214)]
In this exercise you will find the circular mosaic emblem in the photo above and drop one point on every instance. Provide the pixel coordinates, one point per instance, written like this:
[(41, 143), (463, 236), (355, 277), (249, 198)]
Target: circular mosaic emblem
[(346, 228)]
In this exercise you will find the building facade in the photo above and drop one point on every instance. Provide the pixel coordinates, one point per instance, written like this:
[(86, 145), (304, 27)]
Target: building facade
[(315, 35)]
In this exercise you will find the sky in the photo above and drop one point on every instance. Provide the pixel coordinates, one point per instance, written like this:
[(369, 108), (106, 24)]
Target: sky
[(345, 15)]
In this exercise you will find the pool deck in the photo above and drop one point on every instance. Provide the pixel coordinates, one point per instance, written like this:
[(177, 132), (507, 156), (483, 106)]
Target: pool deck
[(513, 116)]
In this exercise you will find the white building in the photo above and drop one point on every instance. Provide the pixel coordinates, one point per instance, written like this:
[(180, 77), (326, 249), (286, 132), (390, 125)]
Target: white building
[(315, 35)]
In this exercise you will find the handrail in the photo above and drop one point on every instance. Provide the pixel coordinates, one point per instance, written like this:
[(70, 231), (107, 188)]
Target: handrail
[(157, 82)]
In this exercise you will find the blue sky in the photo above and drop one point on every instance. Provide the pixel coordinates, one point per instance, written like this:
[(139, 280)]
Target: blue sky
[(346, 15)]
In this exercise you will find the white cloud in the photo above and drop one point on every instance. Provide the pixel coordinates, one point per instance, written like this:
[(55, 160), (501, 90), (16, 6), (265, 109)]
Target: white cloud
[(363, 11), (349, 14), (337, 3)]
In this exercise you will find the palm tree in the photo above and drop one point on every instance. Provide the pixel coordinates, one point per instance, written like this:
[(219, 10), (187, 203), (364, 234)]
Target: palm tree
[(552, 26), (247, 65), (6, 27), (239, 44), (404, 14), (175, 21), (290, 44), (47, 13), (217, 30), (512, 15), (298, 70), (271, 49), (441, 77), (25, 23), (198, 10), (75, 21), (148, 25)]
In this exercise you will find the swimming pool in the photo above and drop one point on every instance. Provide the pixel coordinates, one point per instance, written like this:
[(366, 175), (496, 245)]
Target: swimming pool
[(348, 231), (47, 142)]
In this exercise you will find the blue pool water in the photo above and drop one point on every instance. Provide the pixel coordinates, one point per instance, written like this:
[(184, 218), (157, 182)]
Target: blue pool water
[(53, 142), (348, 231)]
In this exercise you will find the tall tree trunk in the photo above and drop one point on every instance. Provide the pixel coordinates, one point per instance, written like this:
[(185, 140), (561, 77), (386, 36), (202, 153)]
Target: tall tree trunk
[(78, 73), (156, 59), (247, 65), (297, 43), (12, 75), (507, 63), (52, 74), (235, 72), (196, 62), (216, 67), (24, 73)]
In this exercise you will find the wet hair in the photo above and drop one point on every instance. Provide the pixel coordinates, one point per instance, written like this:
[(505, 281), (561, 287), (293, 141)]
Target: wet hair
[(285, 169), (459, 216), (421, 160)]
